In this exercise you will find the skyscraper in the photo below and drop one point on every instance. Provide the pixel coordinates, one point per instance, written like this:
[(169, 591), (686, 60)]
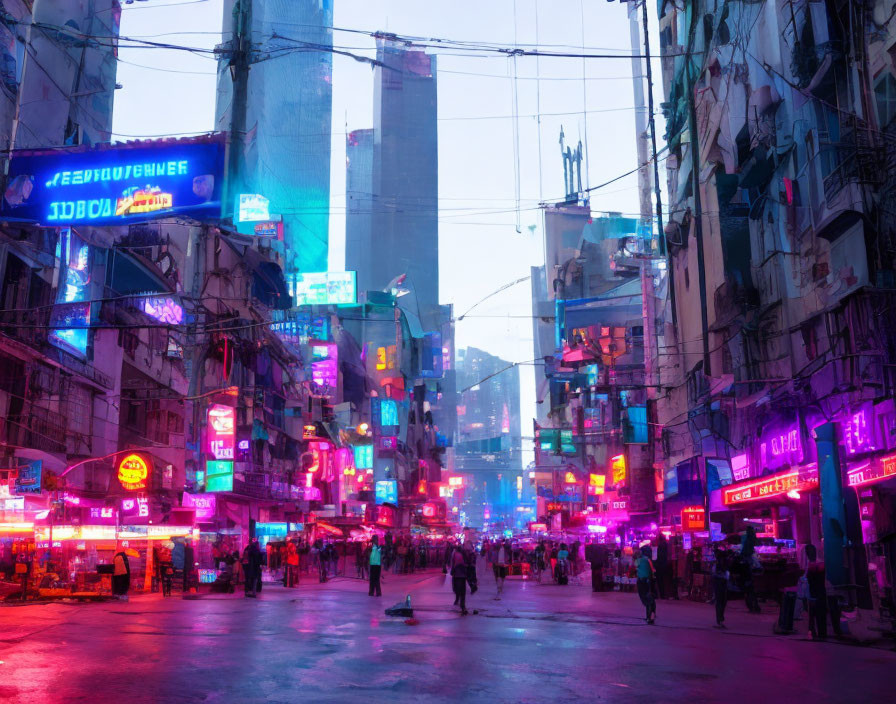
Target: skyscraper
[(64, 87), (403, 235), (359, 205), (288, 111)]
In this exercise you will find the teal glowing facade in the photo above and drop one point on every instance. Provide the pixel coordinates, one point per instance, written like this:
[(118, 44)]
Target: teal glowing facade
[(288, 119)]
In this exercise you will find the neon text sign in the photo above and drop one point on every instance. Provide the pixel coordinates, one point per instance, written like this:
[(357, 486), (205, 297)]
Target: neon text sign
[(872, 472), (767, 487)]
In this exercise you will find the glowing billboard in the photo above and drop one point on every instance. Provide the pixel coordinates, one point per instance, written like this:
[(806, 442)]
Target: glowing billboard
[(114, 185), (70, 319), (325, 287)]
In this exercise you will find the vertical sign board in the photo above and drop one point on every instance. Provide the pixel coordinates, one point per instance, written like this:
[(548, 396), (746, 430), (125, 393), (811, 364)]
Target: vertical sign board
[(29, 478), (221, 431), (70, 318)]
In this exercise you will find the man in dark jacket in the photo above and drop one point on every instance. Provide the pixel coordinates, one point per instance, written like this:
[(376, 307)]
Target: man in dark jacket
[(596, 554), (662, 565), (252, 566)]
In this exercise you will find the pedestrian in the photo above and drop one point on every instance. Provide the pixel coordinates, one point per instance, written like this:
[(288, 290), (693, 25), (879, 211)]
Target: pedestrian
[(252, 567), (459, 576), (818, 595), (720, 577), (500, 558), (121, 575), (166, 569), (646, 578), (375, 560), (292, 565), (596, 554), (472, 577), (540, 559), (749, 562), (662, 564)]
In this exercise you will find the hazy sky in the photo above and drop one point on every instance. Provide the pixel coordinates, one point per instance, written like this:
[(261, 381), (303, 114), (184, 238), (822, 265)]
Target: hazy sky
[(169, 92)]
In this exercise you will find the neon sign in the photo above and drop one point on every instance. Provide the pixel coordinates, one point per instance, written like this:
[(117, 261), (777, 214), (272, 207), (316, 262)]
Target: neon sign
[(204, 505), (772, 485), (325, 287), (693, 518), (872, 472), (165, 310), (386, 492), (617, 466), (135, 507), (218, 475), (70, 318), (252, 207), (363, 456), (596, 484), (221, 431), (858, 432), (569, 478), (782, 449), (132, 472), (115, 184), (740, 467), (270, 228)]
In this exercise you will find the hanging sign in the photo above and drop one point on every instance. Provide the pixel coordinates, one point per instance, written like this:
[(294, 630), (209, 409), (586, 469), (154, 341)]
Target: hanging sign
[(133, 471)]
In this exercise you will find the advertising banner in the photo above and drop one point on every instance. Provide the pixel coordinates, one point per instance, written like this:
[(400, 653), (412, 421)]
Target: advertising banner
[(70, 318), (115, 185), (326, 287), (29, 478)]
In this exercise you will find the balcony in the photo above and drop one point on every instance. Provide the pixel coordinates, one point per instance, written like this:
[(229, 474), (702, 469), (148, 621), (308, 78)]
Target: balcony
[(38, 430)]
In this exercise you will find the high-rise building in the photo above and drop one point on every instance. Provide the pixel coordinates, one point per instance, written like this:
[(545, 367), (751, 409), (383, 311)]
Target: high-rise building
[(359, 205), (288, 110), (402, 236), (488, 446), (63, 87)]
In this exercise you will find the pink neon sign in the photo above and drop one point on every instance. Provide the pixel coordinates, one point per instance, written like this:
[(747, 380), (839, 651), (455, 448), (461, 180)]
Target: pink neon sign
[(781, 449), (165, 310), (858, 432), (740, 467), (872, 472)]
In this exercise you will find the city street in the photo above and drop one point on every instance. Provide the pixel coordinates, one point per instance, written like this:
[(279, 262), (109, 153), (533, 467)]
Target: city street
[(332, 642)]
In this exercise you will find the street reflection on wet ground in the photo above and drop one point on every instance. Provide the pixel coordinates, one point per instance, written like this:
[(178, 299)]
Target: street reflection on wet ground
[(326, 643)]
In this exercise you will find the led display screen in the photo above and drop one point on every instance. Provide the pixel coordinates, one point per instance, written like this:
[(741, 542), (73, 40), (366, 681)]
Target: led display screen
[(387, 492), (326, 287), (115, 185), (70, 318)]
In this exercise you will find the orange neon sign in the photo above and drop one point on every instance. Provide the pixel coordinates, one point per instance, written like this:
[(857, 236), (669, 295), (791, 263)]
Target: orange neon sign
[(617, 466), (132, 472)]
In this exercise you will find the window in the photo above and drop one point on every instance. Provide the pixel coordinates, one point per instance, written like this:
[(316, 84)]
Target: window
[(885, 96)]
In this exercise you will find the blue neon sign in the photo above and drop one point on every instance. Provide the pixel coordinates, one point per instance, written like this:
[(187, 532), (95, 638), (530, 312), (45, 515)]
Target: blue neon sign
[(70, 317), (116, 185)]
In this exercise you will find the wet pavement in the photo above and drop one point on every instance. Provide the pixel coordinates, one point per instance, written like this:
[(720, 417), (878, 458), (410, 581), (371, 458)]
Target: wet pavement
[(332, 643)]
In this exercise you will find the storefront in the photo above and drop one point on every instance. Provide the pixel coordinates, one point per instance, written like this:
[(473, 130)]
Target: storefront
[(874, 481)]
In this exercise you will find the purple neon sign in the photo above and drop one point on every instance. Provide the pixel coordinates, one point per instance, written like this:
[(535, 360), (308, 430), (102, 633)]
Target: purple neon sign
[(783, 447), (858, 431), (165, 310)]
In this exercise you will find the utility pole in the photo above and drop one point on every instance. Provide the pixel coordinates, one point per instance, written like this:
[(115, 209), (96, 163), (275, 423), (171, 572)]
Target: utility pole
[(13, 135), (240, 59)]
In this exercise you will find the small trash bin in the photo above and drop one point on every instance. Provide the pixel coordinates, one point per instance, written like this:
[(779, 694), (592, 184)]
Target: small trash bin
[(784, 623)]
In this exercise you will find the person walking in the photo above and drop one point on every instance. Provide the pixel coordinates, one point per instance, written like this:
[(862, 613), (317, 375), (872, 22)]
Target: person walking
[(540, 559), (375, 560), (818, 595), (646, 578), (596, 554), (121, 575), (252, 567), (748, 563), (500, 559), (292, 565), (166, 569), (720, 576), (459, 576)]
